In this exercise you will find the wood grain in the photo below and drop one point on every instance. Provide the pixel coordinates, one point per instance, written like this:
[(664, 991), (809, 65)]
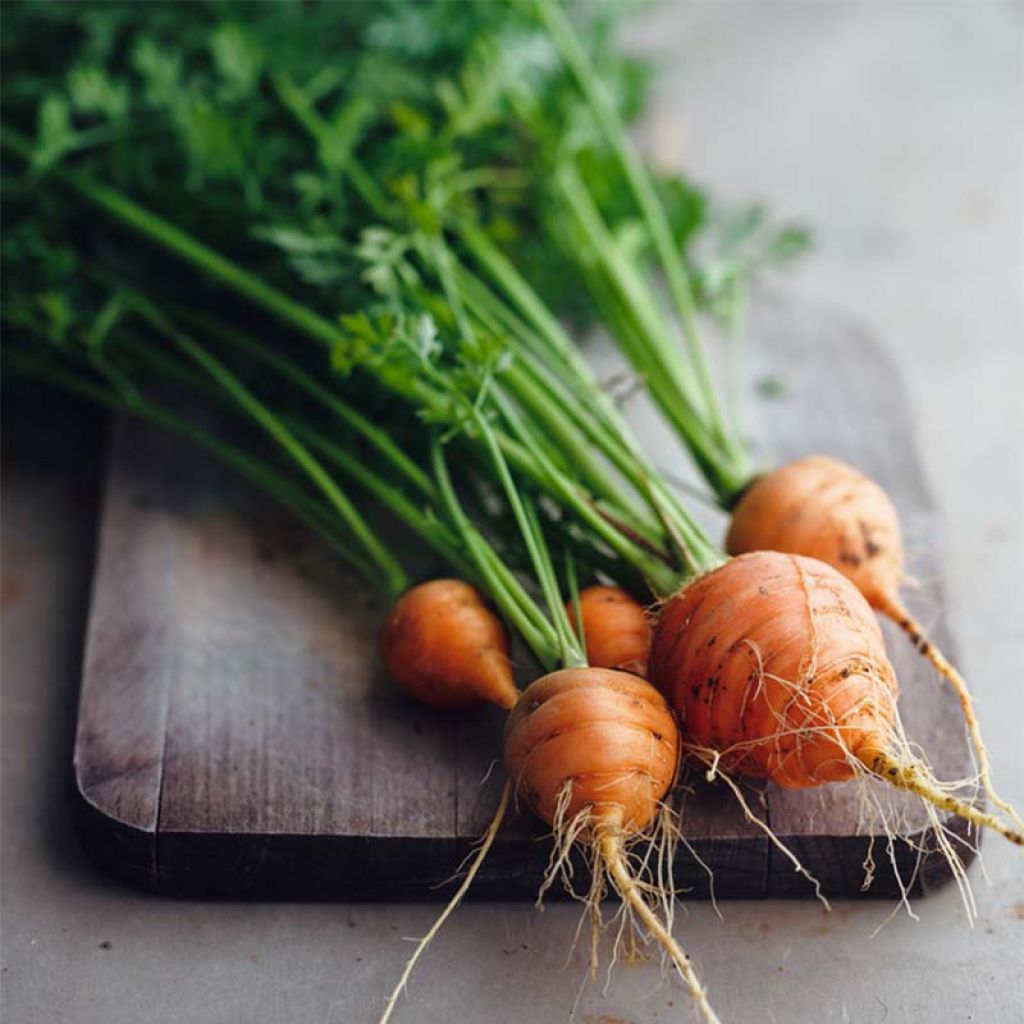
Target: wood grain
[(237, 738)]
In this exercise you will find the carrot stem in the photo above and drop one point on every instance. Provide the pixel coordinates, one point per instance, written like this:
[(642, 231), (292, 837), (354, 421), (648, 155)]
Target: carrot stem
[(642, 187), (377, 437), (571, 653), (507, 592), (394, 576)]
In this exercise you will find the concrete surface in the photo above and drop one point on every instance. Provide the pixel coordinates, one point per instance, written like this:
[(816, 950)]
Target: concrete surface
[(896, 130)]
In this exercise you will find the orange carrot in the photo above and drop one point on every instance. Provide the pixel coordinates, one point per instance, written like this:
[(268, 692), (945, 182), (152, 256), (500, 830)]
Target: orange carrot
[(825, 509), (822, 508), (778, 669), (594, 740), (593, 752), (616, 629), (444, 646)]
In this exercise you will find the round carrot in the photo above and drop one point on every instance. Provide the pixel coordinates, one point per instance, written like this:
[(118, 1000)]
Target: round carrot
[(616, 629), (443, 645), (825, 509), (778, 669), (593, 752), (592, 740), (822, 508)]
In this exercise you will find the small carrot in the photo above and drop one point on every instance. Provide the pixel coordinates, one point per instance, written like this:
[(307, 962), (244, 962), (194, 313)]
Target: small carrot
[(823, 508), (778, 669), (593, 752), (616, 629), (443, 645)]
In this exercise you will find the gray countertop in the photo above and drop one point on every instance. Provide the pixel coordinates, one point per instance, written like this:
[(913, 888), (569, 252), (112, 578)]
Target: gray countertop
[(897, 131)]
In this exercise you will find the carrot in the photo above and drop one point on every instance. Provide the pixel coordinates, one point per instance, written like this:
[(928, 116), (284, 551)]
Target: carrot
[(616, 629), (445, 647), (593, 752), (778, 669), (821, 507)]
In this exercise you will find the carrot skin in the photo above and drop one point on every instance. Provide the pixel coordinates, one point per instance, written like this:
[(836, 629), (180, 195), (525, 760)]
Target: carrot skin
[(776, 662), (444, 646), (616, 629), (608, 734), (825, 509)]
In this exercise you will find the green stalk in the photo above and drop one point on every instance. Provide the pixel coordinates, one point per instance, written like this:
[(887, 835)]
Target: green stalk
[(611, 438), (569, 446), (573, 652), (662, 576), (559, 346), (570, 654), (185, 246), (533, 393), (622, 450), (597, 417), (395, 577), (434, 532), (539, 634), (522, 295), (727, 469), (627, 282), (431, 530), (642, 187), (378, 438)]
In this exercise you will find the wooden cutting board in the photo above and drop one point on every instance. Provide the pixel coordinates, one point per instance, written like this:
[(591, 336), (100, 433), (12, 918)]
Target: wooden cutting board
[(237, 737)]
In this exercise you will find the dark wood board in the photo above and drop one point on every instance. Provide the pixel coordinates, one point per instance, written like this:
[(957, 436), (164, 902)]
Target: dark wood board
[(238, 739)]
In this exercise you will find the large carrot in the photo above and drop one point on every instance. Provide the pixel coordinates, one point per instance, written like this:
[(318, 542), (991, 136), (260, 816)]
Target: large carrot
[(778, 669), (823, 508)]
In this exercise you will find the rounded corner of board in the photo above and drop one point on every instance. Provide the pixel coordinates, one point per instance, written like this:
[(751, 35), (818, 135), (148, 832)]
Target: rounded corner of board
[(119, 849)]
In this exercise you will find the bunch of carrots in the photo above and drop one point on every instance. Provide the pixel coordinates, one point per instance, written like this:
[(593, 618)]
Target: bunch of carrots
[(452, 396)]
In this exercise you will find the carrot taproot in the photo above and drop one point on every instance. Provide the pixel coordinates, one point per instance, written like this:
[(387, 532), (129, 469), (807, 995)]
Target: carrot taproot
[(616, 629), (593, 753), (823, 508), (444, 646), (778, 669)]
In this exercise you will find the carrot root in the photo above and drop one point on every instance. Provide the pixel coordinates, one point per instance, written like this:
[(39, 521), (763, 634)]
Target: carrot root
[(894, 608), (474, 867), (711, 759), (613, 859), (915, 779), (607, 846)]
